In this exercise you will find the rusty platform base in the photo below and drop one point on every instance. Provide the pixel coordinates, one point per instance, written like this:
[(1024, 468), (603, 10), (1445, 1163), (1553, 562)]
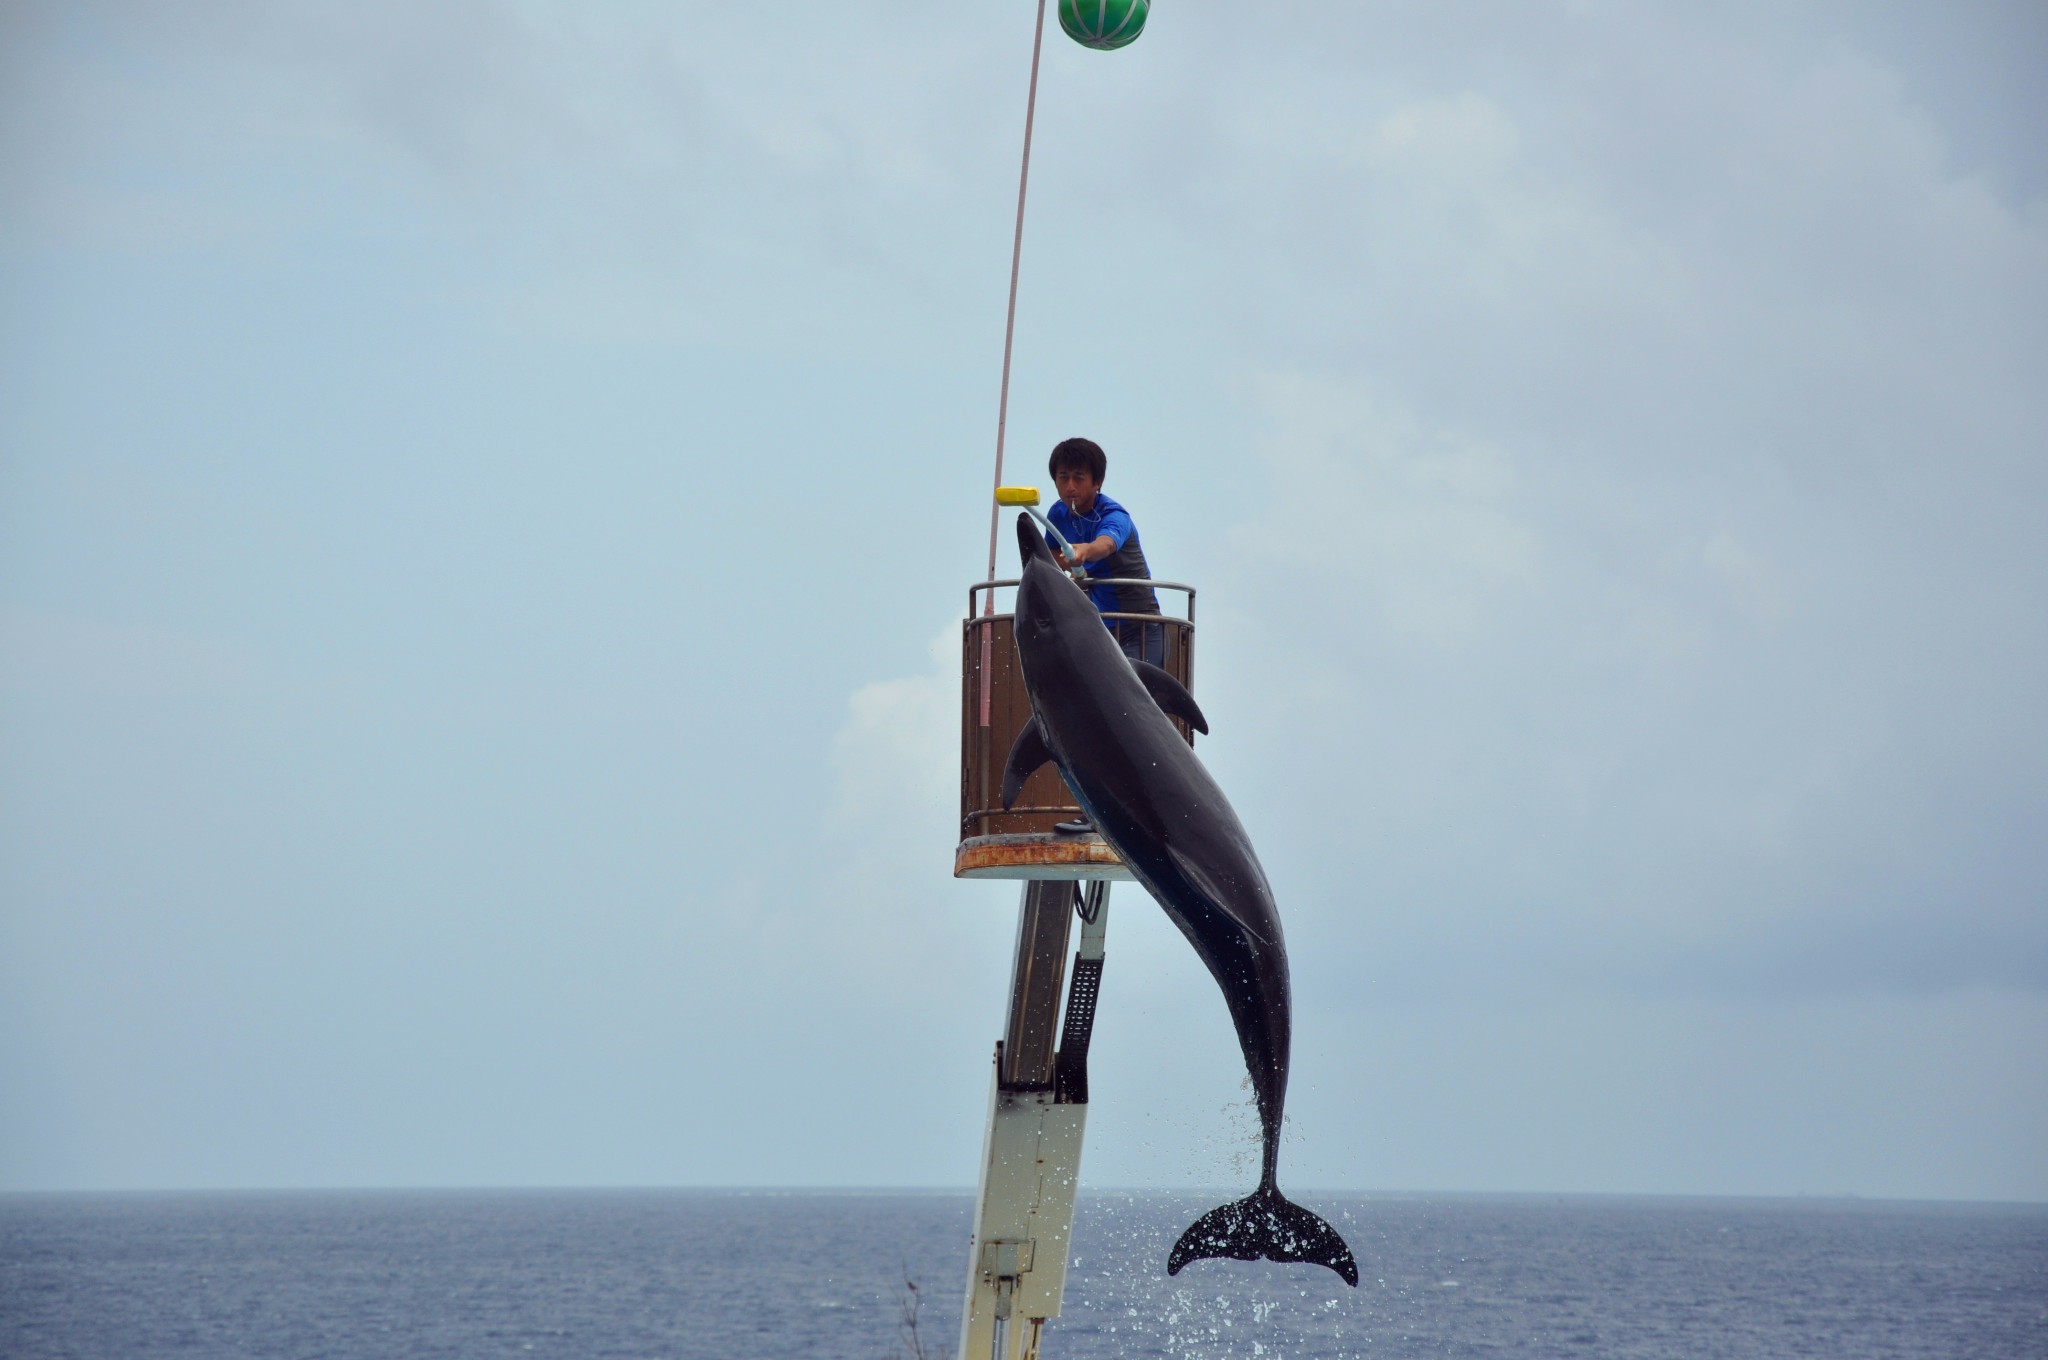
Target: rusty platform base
[(1038, 855)]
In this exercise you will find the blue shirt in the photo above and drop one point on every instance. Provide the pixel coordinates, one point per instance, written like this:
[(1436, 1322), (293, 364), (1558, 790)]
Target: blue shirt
[(1127, 562)]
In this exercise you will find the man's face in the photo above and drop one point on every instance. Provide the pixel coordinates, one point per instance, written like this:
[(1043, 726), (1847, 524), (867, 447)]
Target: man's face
[(1077, 487)]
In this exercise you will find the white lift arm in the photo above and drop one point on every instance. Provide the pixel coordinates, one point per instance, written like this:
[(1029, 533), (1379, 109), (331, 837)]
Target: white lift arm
[(1038, 1109)]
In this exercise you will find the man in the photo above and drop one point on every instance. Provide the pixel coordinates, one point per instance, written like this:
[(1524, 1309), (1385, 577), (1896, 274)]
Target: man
[(1106, 543)]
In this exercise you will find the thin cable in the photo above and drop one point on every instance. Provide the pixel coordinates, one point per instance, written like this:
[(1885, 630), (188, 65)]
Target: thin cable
[(1010, 322)]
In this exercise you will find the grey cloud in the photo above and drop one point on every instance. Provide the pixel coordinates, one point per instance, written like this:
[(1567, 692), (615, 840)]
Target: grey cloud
[(569, 426)]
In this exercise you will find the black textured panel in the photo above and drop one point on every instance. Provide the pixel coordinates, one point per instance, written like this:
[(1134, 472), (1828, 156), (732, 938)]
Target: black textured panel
[(1070, 1077)]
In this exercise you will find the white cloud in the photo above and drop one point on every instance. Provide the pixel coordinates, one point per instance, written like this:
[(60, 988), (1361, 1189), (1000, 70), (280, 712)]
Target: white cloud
[(885, 903), (895, 760)]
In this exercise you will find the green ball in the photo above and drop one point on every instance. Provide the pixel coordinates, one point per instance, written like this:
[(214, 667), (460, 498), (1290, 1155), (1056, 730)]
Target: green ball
[(1103, 24)]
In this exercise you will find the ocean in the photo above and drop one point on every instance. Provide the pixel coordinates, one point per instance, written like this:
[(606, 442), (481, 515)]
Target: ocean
[(728, 1275)]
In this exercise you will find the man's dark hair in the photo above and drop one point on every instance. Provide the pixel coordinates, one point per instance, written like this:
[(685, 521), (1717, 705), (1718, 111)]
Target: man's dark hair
[(1079, 453)]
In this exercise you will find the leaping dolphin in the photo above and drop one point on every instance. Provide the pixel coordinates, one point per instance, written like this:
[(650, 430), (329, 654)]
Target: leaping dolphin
[(1102, 719)]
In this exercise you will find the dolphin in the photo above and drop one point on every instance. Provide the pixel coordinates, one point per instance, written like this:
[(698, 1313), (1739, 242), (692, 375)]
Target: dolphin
[(1102, 719)]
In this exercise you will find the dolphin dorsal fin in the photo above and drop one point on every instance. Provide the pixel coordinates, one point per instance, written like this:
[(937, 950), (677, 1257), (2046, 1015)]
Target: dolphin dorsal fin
[(1026, 755), (1171, 696)]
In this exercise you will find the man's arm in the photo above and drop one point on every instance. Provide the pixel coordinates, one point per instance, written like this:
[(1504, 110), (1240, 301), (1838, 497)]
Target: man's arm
[(1083, 552), (1116, 527), (1105, 546)]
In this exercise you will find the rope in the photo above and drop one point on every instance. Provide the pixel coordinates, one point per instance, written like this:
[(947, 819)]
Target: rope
[(1010, 322)]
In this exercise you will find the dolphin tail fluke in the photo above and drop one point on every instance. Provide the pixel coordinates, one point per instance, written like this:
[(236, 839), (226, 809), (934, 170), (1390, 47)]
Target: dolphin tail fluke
[(1264, 1225)]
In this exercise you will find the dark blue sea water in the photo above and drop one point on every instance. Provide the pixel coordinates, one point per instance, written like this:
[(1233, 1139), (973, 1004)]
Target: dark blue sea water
[(732, 1275)]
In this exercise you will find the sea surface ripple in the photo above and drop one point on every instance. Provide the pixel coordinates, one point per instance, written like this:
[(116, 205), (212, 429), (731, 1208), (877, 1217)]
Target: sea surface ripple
[(681, 1274)]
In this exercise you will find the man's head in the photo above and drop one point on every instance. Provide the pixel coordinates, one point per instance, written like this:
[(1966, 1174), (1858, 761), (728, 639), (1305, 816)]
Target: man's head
[(1078, 467)]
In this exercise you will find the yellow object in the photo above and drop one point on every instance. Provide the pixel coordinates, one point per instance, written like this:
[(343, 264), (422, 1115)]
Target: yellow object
[(1016, 495)]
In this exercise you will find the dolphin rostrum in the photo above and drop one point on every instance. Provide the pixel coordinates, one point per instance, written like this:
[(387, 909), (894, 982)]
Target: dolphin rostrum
[(1102, 719)]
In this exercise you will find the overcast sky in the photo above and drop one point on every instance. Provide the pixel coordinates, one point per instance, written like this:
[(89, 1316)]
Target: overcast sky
[(487, 492)]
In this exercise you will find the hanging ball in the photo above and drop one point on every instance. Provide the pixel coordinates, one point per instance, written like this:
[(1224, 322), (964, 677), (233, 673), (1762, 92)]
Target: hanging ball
[(1103, 24)]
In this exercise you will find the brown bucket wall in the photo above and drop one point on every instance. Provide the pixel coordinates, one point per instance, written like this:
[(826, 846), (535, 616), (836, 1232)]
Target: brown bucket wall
[(983, 749)]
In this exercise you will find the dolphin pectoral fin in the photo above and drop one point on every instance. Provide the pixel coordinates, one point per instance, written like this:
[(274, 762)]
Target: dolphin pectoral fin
[(1264, 1225), (1171, 696), (1029, 752)]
